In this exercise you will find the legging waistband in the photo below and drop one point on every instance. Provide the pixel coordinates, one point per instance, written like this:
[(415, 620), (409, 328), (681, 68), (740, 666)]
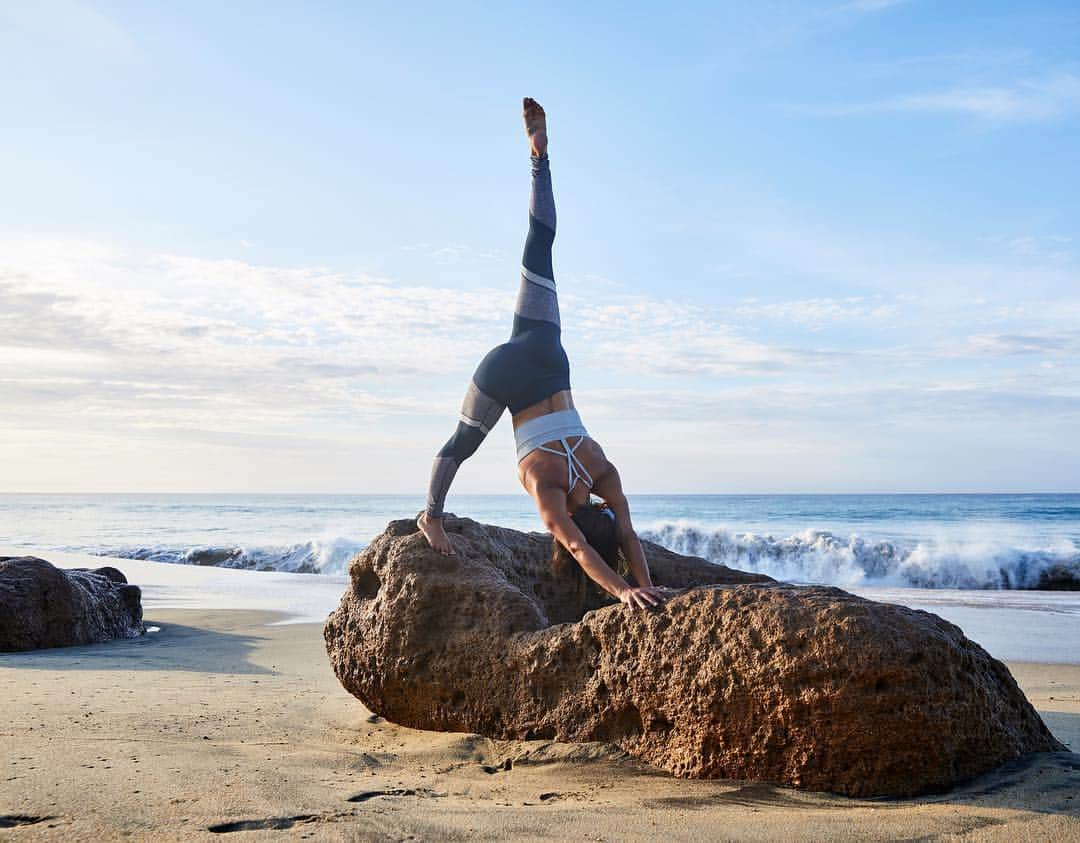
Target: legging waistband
[(535, 432)]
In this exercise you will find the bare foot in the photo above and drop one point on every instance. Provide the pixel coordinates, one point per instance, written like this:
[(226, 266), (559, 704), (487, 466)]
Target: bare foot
[(535, 125), (433, 531)]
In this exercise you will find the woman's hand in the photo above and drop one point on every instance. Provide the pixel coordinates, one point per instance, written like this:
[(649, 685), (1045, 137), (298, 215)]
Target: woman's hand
[(643, 598)]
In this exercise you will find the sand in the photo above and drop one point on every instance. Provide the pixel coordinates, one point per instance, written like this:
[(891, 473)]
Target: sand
[(227, 722)]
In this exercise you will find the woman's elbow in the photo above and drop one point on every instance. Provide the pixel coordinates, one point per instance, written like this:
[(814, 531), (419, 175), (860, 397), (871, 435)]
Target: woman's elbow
[(573, 546)]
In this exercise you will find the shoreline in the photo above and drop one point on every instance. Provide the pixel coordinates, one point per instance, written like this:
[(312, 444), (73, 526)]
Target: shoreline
[(301, 598), (844, 539), (1015, 626)]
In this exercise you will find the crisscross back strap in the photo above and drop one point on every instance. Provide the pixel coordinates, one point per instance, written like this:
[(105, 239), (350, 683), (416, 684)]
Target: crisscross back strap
[(575, 468)]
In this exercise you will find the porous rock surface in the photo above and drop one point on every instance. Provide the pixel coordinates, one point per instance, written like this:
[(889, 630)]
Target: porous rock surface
[(736, 677), (45, 606)]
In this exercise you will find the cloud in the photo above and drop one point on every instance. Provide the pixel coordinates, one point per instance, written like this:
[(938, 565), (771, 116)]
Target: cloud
[(175, 351), (1026, 101), (1006, 345), (453, 253), (869, 6), (69, 23), (817, 314), (789, 408), (662, 337), (130, 339), (1056, 248), (195, 334)]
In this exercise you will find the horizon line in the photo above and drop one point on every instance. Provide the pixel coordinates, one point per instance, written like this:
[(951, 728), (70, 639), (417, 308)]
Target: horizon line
[(515, 494)]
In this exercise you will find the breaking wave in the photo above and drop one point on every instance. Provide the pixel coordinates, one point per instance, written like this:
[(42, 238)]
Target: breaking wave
[(311, 557), (813, 556), (822, 557)]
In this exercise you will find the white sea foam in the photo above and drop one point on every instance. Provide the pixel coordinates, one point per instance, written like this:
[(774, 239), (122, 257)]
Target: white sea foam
[(811, 556), (820, 556), (928, 541), (316, 556), (299, 598)]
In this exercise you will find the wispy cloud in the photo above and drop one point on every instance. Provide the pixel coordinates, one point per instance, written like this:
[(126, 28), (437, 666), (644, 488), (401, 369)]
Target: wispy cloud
[(150, 339), (662, 337), (69, 23), (869, 6), (1048, 343), (1056, 248), (453, 253), (102, 330), (819, 313), (168, 352), (1026, 101)]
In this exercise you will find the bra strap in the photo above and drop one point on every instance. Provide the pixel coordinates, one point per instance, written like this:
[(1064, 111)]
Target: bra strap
[(575, 468)]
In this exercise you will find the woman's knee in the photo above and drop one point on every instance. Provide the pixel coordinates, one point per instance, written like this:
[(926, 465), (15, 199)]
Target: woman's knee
[(463, 443)]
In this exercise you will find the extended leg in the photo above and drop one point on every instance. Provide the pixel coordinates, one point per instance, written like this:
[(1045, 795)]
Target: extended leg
[(537, 300), (537, 306)]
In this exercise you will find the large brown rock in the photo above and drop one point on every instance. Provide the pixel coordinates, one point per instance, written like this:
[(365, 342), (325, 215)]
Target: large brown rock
[(806, 686), (45, 606)]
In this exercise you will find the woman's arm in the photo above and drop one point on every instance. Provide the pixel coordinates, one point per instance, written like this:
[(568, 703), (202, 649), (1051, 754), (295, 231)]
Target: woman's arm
[(551, 503), (609, 487)]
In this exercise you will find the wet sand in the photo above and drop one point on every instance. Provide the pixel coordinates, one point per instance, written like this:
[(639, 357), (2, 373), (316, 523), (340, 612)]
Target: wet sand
[(223, 724)]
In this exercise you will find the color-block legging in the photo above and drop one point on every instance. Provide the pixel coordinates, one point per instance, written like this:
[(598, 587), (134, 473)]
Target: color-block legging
[(530, 367)]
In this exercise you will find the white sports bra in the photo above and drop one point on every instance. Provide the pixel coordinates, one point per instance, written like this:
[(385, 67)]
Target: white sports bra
[(559, 426)]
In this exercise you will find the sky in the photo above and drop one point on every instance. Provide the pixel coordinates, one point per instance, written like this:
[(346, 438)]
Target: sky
[(803, 247)]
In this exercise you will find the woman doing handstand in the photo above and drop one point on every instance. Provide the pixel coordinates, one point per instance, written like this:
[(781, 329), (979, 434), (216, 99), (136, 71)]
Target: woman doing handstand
[(559, 464)]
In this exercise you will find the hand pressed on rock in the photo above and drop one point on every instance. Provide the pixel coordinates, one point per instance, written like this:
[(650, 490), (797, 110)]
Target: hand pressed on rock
[(643, 598)]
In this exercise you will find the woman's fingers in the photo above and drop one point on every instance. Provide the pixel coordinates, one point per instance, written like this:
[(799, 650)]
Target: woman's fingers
[(648, 597), (642, 598)]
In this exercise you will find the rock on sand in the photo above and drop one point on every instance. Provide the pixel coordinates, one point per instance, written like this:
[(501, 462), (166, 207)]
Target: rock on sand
[(44, 606), (736, 677)]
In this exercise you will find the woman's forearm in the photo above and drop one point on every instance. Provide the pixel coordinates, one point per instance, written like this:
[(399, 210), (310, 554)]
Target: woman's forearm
[(635, 555), (600, 572)]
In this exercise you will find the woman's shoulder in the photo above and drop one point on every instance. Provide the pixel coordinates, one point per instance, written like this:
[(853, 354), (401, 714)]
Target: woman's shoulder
[(605, 475)]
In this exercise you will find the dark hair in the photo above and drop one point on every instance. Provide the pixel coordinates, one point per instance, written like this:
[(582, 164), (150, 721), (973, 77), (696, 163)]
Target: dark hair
[(596, 522)]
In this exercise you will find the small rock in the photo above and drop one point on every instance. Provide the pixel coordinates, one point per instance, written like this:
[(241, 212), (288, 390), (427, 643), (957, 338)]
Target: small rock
[(45, 606)]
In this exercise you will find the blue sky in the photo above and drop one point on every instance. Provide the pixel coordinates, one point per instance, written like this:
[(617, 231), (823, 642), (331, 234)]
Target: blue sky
[(803, 246)]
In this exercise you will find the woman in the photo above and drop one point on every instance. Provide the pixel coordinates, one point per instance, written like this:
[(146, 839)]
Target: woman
[(558, 463)]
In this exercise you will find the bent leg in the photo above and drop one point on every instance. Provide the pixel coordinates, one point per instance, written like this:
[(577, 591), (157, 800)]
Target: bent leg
[(479, 413), (537, 299)]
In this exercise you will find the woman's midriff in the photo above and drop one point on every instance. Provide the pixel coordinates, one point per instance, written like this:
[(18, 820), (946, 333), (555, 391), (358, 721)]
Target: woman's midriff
[(552, 404)]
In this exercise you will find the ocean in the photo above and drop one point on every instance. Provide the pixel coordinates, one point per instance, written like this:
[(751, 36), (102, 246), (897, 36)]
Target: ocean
[(973, 541)]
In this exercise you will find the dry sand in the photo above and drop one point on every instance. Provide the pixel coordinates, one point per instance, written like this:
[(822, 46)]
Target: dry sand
[(220, 723)]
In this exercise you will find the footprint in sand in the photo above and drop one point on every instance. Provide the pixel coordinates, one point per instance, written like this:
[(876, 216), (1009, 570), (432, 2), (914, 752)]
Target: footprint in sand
[(556, 796), (274, 823), (12, 820), (400, 791)]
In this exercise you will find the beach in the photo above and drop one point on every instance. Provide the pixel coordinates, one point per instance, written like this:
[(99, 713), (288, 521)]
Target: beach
[(404, 354), (227, 718)]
